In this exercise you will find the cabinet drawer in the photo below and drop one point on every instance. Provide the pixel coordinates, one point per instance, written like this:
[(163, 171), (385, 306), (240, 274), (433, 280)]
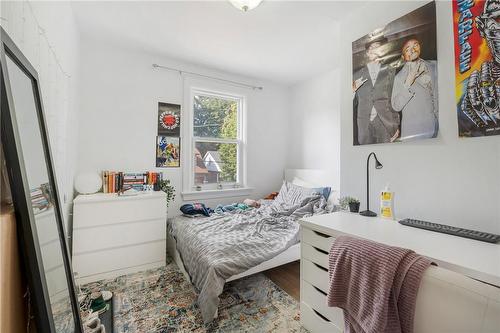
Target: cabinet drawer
[(314, 322), (315, 255), (316, 299), (317, 239), (111, 212), (115, 259), (315, 275), (117, 235)]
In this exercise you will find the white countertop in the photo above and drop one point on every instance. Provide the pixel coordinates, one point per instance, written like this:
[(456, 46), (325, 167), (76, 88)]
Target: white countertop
[(475, 259)]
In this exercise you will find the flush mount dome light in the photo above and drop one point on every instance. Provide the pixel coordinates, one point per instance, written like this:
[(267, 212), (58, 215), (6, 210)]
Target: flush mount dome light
[(245, 5)]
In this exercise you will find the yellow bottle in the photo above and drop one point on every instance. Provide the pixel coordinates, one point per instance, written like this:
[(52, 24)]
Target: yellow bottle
[(387, 203)]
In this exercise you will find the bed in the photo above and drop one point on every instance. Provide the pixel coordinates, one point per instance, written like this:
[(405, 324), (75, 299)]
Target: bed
[(229, 246)]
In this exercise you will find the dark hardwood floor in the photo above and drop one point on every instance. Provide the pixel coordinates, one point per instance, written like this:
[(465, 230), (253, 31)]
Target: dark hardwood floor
[(287, 277)]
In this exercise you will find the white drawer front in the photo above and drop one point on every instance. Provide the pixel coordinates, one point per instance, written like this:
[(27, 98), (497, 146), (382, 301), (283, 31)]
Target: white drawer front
[(315, 255), (102, 213), (116, 235), (317, 239), (119, 258), (315, 275), (313, 321), (316, 299)]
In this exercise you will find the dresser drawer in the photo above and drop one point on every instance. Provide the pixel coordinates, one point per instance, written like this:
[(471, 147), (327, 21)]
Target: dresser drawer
[(317, 300), (101, 213), (317, 239), (315, 255), (117, 235), (100, 262), (314, 322), (315, 275)]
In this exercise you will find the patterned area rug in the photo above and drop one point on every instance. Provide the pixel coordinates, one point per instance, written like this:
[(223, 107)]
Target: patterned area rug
[(162, 300)]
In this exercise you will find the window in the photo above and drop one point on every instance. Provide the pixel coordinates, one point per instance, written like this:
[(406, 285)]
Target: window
[(217, 140)]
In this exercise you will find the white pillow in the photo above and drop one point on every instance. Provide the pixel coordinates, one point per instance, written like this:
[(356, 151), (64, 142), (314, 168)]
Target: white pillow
[(301, 182)]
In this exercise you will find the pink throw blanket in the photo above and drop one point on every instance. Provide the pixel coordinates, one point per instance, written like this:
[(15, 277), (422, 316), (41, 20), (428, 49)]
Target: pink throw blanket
[(376, 285)]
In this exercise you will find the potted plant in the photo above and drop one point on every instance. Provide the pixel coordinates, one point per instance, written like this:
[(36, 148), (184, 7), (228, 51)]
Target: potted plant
[(168, 189), (350, 202)]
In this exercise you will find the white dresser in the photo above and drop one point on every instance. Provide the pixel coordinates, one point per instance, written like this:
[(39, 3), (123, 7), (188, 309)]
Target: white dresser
[(115, 235), (449, 298)]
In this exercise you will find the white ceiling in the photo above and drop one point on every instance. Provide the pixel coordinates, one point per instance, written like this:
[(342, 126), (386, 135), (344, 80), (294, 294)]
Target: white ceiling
[(281, 41)]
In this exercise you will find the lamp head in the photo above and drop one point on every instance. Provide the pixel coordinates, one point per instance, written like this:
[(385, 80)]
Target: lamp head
[(378, 165)]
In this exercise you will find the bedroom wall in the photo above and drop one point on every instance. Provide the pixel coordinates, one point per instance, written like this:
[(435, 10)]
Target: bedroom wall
[(447, 180), (315, 126), (52, 48), (119, 97)]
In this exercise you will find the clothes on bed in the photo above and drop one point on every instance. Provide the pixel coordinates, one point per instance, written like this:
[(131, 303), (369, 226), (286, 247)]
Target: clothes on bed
[(196, 208), (229, 208), (216, 248)]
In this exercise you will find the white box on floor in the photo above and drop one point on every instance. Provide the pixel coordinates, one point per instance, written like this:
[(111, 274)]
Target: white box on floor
[(115, 235)]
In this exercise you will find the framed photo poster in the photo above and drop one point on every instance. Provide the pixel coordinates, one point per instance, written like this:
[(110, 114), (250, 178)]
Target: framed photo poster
[(395, 95)]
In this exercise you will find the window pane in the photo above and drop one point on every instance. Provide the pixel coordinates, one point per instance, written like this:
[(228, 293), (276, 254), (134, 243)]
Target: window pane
[(215, 117), (215, 162)]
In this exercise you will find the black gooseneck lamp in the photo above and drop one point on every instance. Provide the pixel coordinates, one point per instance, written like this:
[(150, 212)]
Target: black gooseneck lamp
[(378, 165)]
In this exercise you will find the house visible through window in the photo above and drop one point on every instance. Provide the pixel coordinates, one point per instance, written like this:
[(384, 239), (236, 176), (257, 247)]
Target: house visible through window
[(217, 139)]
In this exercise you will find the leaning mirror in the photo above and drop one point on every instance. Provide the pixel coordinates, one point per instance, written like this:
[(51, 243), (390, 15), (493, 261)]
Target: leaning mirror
[(35, 196)]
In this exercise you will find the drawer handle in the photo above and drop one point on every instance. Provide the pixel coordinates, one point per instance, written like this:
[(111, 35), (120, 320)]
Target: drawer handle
[(321, 291), (320, 250), (320, 315), (320, 267), (321, 234)]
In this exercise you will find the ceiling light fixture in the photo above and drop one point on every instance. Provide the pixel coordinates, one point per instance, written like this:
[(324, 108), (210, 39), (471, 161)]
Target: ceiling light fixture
[(245, 5)]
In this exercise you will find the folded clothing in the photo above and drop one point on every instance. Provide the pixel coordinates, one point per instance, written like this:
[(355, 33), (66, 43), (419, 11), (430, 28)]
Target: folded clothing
[(376, 285), (196, 208)]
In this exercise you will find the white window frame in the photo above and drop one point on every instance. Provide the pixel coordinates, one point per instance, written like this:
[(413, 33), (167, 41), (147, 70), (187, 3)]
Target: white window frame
[(230, 189)]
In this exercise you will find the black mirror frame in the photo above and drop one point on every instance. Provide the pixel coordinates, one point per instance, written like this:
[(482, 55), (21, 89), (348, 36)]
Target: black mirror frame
[(27, 233)]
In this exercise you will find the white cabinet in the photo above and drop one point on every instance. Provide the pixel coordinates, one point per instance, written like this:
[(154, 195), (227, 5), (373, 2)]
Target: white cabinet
[(316, 316), (115, 235)]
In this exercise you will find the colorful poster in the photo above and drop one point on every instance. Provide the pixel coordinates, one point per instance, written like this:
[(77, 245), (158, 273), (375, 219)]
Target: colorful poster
[(169, 119), (167, 152), (477, 66), (395, 80)]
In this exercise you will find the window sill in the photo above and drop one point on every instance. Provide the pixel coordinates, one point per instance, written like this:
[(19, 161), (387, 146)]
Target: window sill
[(214, 194)]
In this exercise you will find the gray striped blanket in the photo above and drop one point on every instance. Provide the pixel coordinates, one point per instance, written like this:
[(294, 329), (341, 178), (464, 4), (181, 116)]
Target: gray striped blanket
[(218, 247)]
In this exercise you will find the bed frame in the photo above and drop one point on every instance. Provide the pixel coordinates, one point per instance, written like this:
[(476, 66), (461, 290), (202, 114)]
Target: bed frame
[(291, 254)]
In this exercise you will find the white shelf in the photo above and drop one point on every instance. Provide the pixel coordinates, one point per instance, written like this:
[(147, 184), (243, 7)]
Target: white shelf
[(105, 197)]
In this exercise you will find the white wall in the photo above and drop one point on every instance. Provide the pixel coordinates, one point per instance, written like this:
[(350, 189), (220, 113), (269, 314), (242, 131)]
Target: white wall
[(119, 100), (446, 180), (314, 136), (51, 45)]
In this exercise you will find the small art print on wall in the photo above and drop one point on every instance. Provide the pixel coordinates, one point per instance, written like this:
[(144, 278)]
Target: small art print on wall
[(169, 119), (167, 152), (395, 80), (476, 26)]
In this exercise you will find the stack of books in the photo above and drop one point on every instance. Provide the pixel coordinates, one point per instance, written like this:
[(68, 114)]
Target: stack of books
[(39, 201), (117, 182)]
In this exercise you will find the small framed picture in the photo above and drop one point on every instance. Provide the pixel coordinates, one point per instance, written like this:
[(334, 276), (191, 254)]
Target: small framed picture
[(168, 151), (169, 119)]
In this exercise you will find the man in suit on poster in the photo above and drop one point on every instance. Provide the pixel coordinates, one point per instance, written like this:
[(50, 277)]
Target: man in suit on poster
[(376, 121)]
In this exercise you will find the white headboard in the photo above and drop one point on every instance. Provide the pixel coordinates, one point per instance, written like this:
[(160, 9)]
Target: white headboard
[(315, 177)]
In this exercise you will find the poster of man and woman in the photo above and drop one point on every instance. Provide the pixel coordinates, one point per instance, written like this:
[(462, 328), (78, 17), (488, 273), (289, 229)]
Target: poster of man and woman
[(395, 80)]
